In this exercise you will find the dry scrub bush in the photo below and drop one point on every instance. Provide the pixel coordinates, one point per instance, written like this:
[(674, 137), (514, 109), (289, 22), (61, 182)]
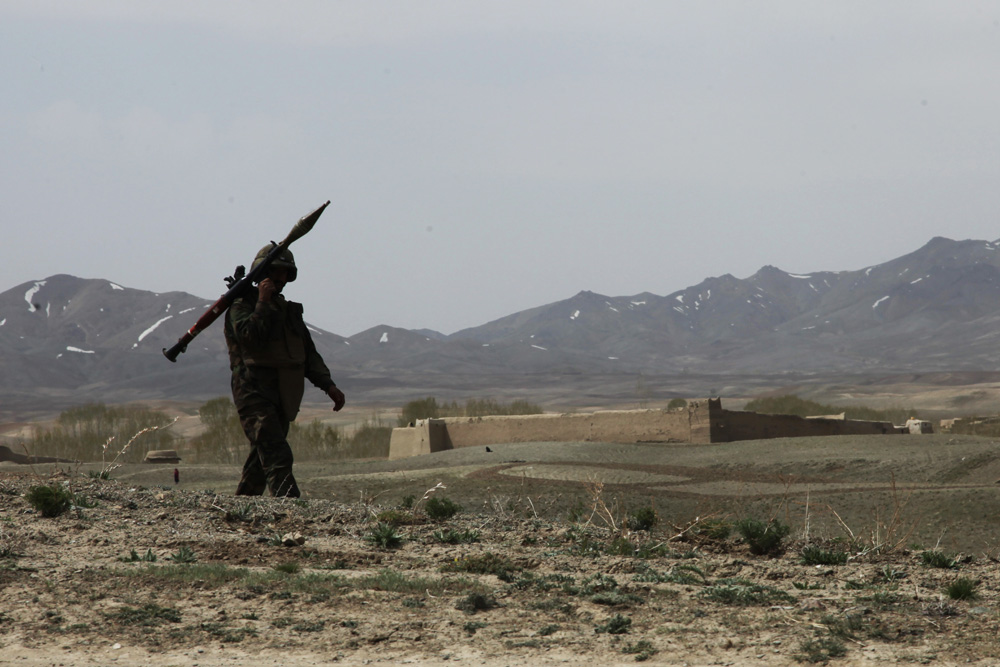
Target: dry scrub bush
[(889, 531), (80, 432), (429, 408), (223, 440)]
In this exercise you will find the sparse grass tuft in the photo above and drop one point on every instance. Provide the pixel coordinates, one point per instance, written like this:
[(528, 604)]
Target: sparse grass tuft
[(241, 512), (452, 536), (148, 615), (11, 542), (184, 555), (678, 574), (938, 559), (395, 517), (813, 555), (744, 593), (714, 529), (963, 589), (384, 536), (484, 563), (821, 650), (642, 650), (393, 581), (134, 557)]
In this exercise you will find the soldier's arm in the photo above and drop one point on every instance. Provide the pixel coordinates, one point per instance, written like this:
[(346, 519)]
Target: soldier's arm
[(253, 320), (316, 369)]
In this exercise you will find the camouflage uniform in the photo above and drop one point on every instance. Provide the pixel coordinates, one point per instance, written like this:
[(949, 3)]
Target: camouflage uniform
[(270, 354)]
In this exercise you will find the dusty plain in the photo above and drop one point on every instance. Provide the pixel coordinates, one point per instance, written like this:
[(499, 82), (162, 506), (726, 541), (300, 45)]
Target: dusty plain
[(542, 566)]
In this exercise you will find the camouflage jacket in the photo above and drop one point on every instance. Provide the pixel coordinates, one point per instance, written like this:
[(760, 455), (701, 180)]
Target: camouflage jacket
[(271, 353)]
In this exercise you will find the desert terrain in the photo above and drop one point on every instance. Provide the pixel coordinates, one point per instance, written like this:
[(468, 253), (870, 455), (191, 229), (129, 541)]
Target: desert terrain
[(562, 553)]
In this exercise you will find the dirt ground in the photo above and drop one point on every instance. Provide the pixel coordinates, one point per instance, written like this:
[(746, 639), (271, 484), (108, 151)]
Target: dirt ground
[(563, 553)]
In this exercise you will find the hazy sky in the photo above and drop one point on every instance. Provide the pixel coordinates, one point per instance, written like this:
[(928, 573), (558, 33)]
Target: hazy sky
[(487, 157)]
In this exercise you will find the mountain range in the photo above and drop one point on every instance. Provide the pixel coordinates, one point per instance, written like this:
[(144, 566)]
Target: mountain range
[(65, 339)]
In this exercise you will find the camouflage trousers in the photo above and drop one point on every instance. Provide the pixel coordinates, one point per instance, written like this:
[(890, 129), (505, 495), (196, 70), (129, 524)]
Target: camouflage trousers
[(269, 465)]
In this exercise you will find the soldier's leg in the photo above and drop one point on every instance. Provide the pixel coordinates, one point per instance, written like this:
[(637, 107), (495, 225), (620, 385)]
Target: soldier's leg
[(253, 481), (274, 453)]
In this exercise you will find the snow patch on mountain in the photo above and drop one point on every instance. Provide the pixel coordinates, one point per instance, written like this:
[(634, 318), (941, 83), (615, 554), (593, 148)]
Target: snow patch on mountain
[(30, 295), (152, 328)]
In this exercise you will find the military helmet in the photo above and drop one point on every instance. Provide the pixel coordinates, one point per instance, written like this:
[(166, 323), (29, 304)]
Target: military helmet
[(282, 261)]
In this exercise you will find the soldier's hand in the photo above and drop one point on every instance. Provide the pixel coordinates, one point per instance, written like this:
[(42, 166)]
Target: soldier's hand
[(265, 290), (338, 397)]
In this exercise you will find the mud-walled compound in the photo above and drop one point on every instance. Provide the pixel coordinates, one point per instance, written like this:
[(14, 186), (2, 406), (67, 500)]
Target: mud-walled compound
[(700, 422)]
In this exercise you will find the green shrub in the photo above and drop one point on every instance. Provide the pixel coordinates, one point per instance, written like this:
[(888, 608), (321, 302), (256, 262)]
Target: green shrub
[(616, 625), (440, 508), (474, 602), (644, 518), (763, 538), (484, 563), (51, 499), (676, 404)]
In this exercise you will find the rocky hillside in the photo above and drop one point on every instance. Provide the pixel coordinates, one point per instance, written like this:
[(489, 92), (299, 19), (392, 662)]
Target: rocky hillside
[(935, 309)]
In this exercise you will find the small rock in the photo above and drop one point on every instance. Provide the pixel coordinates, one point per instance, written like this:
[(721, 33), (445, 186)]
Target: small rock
[(293, 539), (116, 646)]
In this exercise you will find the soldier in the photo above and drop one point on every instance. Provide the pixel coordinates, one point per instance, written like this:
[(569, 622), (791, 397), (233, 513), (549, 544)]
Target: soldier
[(271, 354)]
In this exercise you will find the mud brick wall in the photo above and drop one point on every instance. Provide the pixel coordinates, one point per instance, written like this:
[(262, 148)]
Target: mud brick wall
[(730, 426), (689, 424), (701, 422)]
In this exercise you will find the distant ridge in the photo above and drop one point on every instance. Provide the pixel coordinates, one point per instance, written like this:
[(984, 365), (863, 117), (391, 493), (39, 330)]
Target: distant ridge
[(936, 309)]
